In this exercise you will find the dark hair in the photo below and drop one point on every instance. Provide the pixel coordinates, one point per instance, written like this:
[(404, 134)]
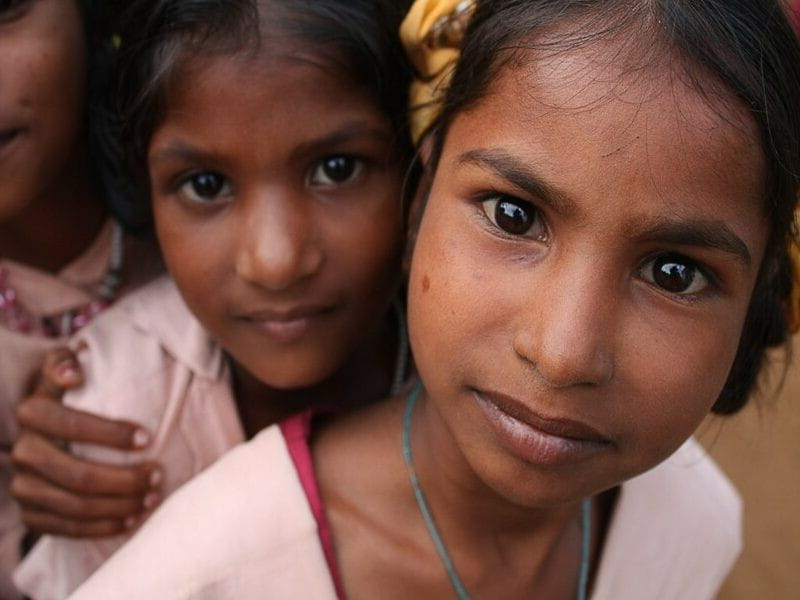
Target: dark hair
[(357, 37), (746, 45)]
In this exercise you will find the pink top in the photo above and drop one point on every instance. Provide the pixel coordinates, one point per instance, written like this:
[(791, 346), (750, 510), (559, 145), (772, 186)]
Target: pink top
[(42, 294), (150, 361), (296, 431), (245, 529)]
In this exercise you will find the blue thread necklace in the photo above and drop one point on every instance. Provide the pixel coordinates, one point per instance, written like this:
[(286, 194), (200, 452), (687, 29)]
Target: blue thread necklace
[(433, 531)]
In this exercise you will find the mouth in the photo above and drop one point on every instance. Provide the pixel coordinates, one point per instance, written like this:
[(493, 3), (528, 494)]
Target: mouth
[(538, 439), (287, 325)]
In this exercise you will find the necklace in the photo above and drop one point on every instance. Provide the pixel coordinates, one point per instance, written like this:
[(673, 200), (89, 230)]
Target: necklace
[(16, 317), (433, 531)]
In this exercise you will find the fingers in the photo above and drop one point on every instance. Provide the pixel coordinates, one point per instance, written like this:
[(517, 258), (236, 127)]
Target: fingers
[(61, 422), (59, 372), (38, 496), (33, 453), (48, 523)]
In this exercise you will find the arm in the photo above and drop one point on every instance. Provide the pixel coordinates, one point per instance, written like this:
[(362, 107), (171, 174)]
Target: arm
[(65, 495)]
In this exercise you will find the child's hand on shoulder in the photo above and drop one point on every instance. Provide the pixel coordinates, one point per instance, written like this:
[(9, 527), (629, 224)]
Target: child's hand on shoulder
[(64, 495)]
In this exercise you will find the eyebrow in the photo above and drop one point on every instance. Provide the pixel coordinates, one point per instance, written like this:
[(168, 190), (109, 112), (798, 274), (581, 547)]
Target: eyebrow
[(353, 130), (698, 233), (520, 175), (178, 149)]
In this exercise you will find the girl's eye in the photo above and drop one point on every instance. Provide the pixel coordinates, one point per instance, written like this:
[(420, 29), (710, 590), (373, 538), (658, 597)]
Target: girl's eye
[(9, 8), (335, 170), (205, 187), (675, 274), (514, 216)]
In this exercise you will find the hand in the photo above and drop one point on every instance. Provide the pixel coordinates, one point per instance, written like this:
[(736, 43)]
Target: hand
[(63, 494)]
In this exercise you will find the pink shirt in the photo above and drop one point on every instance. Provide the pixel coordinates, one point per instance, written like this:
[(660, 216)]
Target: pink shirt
[(149, 361), (42, 294), (244, 529)]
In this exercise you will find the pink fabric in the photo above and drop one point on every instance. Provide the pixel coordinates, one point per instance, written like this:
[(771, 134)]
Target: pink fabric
[(21, 356), (244, 530), (149, 361), (297, 431), (241, 530), (794, 16)]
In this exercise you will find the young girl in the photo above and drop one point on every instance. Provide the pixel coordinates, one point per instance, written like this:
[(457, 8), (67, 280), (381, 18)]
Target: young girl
[(269, 139), (601, 261), (61, 259)]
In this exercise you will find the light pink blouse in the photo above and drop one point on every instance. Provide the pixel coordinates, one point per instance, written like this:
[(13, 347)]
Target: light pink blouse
[(21, 355), (150, 361), (244, 530)]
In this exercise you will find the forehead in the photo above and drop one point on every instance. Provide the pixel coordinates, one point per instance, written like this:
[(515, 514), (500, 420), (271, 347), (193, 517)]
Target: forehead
[(602, 122), (264, 93)]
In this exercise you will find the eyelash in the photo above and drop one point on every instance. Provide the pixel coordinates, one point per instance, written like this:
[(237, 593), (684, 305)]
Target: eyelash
[(676, 259), (181, 187), (490, 214)]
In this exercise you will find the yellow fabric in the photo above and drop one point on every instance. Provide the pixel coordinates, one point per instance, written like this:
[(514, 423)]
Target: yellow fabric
[(433, 61), (794, 301)]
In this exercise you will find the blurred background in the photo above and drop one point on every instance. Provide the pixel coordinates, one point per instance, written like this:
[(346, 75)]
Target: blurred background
[(759, 449)]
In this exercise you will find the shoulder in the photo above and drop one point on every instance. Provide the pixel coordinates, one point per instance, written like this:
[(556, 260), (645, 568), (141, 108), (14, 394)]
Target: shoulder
[(148, 360), (675, 533), (241, 529), (144, 341)]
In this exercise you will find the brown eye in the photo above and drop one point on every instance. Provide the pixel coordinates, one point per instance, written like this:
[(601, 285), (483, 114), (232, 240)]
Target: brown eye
[(335, 170), (515, 217), (675, 274), (205, 187)]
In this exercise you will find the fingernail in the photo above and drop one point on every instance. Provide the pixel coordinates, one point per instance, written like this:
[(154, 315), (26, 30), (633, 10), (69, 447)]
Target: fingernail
[(150, 500), (141, 438), (67, 370), (130, 522), (155, 478)]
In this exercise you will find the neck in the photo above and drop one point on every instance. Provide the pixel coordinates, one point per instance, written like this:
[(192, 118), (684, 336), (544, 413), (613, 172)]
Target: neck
[(364, 378), (57, 226), (482, 527)]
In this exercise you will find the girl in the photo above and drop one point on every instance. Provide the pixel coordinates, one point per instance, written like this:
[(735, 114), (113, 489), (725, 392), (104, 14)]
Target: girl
[(269, 140), (61, 259), (601, 261)]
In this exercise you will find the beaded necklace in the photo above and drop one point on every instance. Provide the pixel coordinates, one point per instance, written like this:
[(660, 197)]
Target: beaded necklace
[(433, 531), (14, 316)]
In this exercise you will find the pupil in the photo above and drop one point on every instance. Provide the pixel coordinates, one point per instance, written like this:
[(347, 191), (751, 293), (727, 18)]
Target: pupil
[(512, 218), (207, 185), (672, 275), (338, 168)]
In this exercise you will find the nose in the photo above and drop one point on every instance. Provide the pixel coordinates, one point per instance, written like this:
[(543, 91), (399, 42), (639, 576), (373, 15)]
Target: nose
[(278, 245), (567, 333)]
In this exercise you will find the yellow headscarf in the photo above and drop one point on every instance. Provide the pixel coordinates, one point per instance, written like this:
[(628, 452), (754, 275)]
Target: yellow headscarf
[(432, 33)]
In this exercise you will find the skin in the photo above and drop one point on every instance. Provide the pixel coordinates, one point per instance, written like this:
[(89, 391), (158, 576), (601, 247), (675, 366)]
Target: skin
[(567, 316), (42, 157), (282, 231)]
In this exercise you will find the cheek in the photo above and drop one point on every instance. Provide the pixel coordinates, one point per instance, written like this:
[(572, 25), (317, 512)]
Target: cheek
[(195, 252), (671, 378)]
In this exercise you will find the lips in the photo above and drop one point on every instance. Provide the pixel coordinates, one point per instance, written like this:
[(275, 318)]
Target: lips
[(537, 439), (287, 325)]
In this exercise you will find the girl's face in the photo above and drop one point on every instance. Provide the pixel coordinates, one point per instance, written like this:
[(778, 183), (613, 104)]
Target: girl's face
[(582, 273), (276, 195), (42, 81)]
